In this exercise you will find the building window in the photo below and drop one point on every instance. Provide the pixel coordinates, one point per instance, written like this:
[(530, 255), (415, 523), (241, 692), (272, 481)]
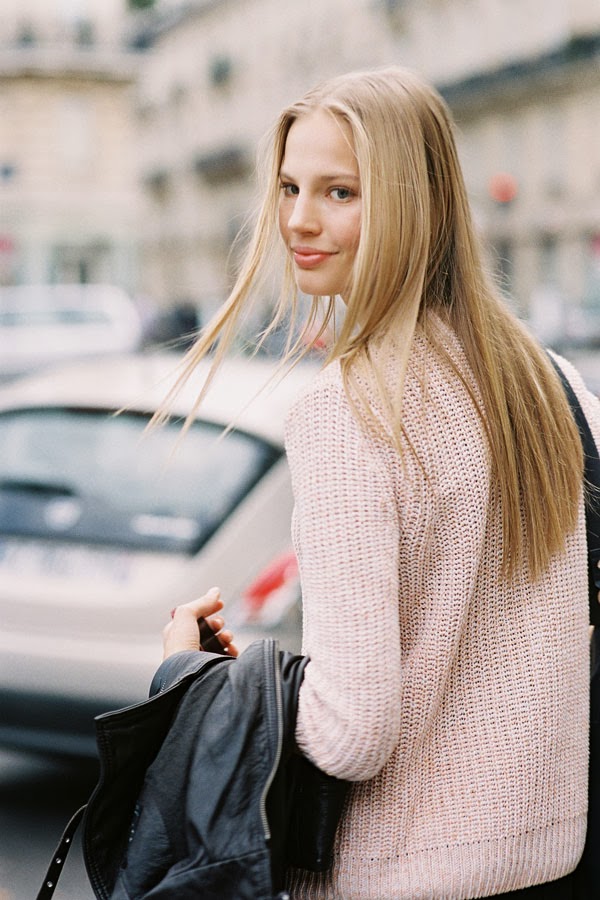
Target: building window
[(554, 159), (7, 172), (81, 264), (512, 146), (547, 309), (549, 259), (26, 35), (228, 163), (75, 132), (220, 71), (592, 292), (85, 33), (157, 183), (395, 12)]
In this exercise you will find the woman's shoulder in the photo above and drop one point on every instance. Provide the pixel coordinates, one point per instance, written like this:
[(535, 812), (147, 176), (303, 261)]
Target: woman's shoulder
[(326, 385), (322, 412)]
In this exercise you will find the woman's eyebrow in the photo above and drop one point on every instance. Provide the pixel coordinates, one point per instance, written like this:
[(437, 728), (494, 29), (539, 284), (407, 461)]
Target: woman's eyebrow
[(339, 176)]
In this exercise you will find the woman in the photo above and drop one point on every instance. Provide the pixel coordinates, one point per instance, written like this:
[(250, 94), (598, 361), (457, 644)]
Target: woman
[(438, 520)]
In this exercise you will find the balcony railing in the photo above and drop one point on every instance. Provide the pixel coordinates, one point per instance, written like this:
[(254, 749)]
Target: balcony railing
[(59, 58)]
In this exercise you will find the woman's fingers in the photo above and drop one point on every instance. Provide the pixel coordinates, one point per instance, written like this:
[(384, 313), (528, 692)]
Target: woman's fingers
[(226, 638), (206, 605), (223, 636), (231, 648), (182, 632)]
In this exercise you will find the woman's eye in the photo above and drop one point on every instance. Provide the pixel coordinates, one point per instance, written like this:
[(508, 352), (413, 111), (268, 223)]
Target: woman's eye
[(289, 190), (341, 193)]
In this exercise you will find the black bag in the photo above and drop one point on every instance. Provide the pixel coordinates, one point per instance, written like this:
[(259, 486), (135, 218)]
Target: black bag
[(587, 874), (318, 803), (314, 800)]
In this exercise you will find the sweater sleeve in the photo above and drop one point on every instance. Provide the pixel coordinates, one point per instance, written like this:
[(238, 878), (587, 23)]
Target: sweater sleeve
[(346, 538)]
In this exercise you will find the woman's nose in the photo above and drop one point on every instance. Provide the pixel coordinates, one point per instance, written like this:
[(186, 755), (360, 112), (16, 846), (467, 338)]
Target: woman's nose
[(304, 216)]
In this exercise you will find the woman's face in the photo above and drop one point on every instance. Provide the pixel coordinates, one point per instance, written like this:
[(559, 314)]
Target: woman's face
[(320, 203)]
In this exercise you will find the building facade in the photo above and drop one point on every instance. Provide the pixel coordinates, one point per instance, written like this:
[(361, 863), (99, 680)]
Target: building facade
[(521, 76), (69, 189), (137, 165), (530, 131)]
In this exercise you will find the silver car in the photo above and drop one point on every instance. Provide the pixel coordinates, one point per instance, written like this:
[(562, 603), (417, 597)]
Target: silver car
[(44, 324), (105, 526)]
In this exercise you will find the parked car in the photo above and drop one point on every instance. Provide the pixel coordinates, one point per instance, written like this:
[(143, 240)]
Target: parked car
[(47, 323), (104, 527)]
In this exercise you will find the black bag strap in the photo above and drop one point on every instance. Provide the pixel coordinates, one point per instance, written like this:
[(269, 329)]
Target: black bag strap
[(60, 854), (587, 873), (592, 487)]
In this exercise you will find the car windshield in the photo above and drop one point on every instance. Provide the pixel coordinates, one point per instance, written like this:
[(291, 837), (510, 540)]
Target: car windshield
[(91, 476)]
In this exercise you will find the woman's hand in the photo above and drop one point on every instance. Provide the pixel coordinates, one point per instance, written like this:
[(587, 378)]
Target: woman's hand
[(181, 633)]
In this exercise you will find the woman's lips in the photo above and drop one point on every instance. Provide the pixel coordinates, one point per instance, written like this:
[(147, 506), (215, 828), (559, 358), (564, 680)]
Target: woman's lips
[(306, 258)]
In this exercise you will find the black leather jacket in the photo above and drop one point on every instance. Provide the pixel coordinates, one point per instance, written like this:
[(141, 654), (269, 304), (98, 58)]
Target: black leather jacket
[(194, 795)]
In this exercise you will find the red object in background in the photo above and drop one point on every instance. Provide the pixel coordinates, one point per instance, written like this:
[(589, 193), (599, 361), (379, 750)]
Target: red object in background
[(281, 570), (321, 343), (503, 187), (7, 244)]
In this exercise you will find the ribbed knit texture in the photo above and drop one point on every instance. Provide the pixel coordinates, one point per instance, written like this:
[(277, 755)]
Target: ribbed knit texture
[(458, 702)]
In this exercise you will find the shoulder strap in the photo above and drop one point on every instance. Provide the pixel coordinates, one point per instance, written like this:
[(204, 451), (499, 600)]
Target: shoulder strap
[(60, 854), (592, 488)]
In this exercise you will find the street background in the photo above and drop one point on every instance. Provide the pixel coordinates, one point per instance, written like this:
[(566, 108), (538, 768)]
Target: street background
[(130, 131), (37, 798)]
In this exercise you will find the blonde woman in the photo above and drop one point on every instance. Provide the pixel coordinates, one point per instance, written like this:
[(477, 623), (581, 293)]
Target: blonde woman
[(439, 520)]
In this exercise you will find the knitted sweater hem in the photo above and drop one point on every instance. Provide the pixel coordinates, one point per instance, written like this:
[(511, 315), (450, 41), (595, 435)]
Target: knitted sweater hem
[(464, 872)]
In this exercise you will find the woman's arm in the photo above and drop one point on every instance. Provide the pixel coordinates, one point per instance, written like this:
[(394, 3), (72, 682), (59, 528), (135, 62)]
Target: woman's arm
[(346, 535)]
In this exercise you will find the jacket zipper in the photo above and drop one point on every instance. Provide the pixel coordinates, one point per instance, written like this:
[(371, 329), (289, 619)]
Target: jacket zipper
[(274, 682)]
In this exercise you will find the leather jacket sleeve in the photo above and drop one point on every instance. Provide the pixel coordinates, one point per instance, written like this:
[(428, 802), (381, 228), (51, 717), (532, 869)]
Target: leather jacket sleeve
[(176, 667)]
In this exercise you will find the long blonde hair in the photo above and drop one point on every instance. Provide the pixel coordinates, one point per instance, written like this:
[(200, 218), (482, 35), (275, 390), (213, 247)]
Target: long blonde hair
[(418, 252)]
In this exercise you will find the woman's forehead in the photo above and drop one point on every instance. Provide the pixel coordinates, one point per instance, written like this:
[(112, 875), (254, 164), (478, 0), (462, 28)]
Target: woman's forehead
[(319, 137)]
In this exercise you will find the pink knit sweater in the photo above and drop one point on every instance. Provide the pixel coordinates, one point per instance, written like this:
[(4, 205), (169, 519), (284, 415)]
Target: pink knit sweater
[(456, 701)]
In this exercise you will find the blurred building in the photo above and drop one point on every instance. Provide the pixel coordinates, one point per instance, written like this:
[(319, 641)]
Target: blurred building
[(136, 165), (69, 192), (530, 130), (522, 77)]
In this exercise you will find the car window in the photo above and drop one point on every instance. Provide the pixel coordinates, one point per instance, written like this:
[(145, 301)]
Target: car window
[(95, 477)]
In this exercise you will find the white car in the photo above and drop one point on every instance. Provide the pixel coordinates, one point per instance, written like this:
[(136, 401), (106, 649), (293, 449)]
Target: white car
[(105, 527), (42, 324)]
